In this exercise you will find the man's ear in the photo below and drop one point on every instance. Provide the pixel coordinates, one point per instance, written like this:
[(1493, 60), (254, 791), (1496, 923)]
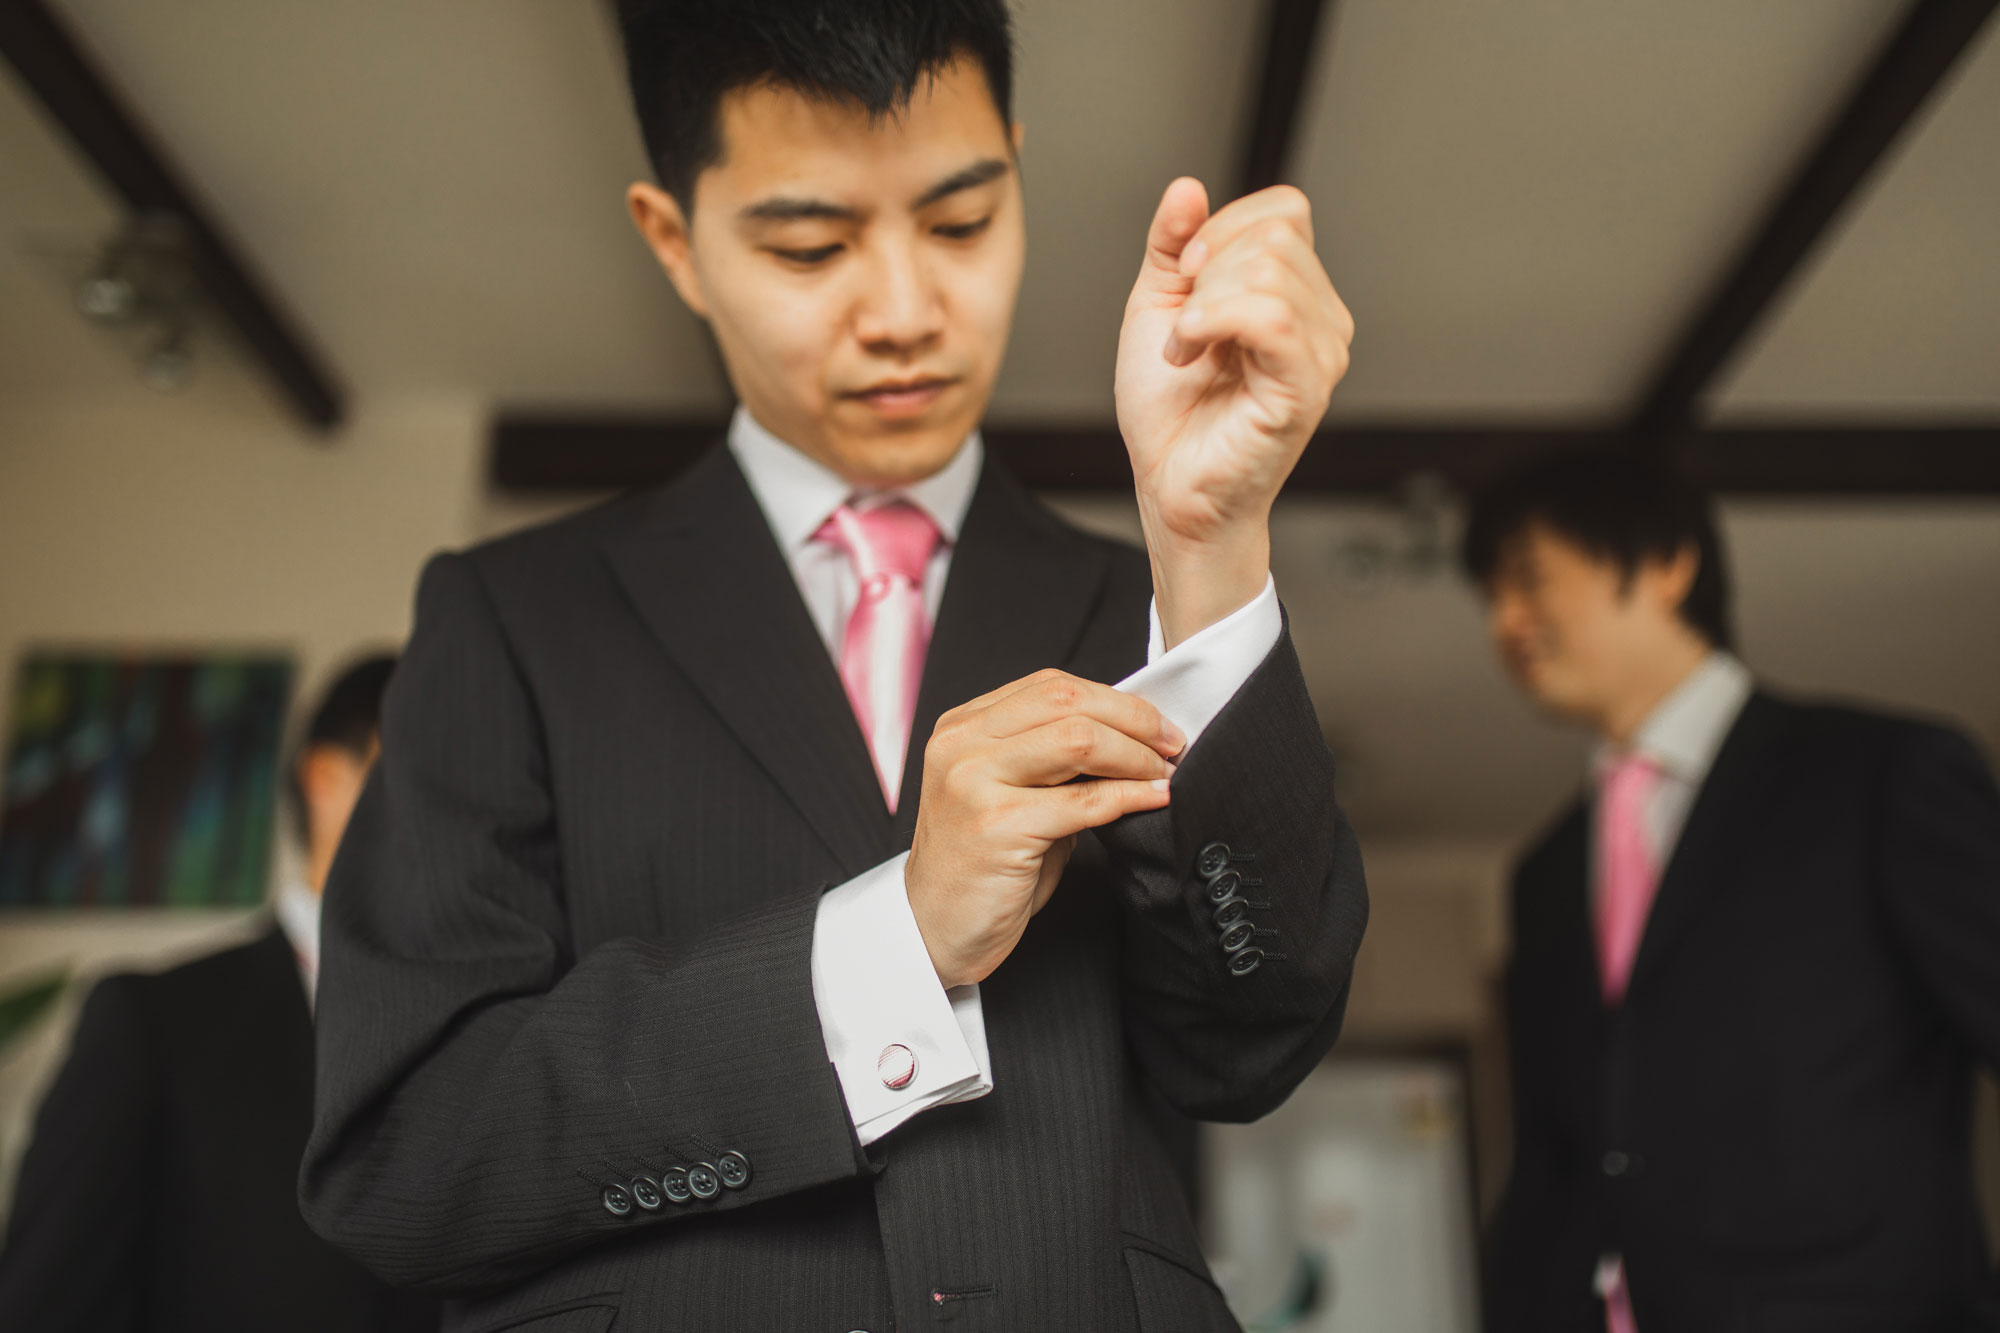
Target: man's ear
[(665, 229), (318, 772), (1673, 579)]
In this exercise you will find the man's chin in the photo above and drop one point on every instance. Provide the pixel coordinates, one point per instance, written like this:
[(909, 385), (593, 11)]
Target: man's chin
[(898, 458)]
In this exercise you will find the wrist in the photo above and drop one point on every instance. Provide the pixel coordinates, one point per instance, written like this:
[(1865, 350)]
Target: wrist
[(942, 963), (1198, 582)]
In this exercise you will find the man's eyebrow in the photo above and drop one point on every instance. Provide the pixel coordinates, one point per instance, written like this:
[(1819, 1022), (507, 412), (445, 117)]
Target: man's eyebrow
[(781, 209), (968, 178)]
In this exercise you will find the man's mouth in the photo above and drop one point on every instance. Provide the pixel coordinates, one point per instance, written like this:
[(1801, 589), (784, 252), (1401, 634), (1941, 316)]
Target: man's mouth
[(903, 397)]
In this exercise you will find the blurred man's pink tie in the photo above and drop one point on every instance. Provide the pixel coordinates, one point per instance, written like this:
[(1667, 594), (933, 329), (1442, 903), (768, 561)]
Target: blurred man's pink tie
[(1629, 870), (882, 655), (1628, 878)]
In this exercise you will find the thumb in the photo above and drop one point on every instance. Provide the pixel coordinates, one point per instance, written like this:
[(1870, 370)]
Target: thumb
[(1054, 861), (1183, 209)]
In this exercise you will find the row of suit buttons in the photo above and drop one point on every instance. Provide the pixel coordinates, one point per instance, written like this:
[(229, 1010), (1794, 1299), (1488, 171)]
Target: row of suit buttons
[(677, 1185), (1215, 865)]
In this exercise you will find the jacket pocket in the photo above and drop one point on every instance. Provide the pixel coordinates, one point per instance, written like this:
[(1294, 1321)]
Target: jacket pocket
[(1173, 1298)]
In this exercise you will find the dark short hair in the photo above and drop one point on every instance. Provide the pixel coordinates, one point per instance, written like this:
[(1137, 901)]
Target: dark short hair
[(349, 716), (1619, 506), (683, 56)]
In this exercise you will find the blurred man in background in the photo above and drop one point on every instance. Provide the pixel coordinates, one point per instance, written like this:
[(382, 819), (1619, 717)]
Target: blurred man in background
[(1752, 966), (160, 1190)]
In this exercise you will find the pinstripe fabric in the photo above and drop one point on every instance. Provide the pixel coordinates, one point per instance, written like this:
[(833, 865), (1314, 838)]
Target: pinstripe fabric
[(571, 927)]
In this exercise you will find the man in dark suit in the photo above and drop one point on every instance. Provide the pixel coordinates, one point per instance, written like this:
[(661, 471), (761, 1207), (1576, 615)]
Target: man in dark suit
[(1752, 967), (719, 947), (158, 1193)]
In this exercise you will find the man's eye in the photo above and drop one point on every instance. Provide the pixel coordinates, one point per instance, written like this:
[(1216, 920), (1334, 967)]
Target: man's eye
[(819, 254), (963, 231)]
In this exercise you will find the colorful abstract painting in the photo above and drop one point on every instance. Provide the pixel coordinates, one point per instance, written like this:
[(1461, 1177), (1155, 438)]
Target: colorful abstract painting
[(142, 782)]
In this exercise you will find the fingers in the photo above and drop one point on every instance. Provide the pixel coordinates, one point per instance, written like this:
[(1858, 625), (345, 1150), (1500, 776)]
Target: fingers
[(1182, 211), (1267, 291), (1063, 812), (1281, 204), (1265, 325), (1072, 747), (1054, 862), (1048, 696)]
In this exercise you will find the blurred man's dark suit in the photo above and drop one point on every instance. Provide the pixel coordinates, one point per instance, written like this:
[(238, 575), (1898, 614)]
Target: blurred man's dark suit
[(158, 1194), (1773, 1127), (568, 940)]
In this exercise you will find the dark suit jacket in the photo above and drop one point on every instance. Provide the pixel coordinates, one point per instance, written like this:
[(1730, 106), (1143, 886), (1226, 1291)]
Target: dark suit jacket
[(1773, 1128), (568, 941), (158, 1192)]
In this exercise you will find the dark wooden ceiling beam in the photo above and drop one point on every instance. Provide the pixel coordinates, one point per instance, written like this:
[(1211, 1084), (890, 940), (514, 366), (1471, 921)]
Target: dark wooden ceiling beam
[(66, 81), (539, 454), (1291, 30), (1908, 69)]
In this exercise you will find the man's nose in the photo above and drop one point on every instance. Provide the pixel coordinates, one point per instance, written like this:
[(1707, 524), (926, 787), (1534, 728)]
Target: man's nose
[(899, 306)]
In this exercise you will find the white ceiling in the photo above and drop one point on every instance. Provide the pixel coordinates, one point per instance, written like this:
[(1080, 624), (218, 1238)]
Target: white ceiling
[(1899, 313), (1521, 202), (1525, 201)]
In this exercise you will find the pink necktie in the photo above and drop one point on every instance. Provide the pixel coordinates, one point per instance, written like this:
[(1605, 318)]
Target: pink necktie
[(1628, 877), (1628, 870), (882, 655), (1618, 1317)]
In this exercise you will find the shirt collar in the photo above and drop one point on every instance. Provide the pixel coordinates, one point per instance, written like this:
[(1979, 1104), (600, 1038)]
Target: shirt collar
[(798, 494), (298, 908), (1685, 730)]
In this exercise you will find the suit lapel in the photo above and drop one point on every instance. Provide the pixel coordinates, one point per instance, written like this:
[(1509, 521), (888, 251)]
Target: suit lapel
[(1726, 802), (1020, 593), (704, 573)]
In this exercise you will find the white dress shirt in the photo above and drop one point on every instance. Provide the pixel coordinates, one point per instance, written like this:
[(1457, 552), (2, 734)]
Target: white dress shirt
[(297, 908), (1682, 736), (873, 981)]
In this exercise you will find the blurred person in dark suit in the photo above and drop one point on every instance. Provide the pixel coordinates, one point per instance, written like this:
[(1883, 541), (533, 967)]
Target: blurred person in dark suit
[(1753, 966), (160, 1190), (718, 947)]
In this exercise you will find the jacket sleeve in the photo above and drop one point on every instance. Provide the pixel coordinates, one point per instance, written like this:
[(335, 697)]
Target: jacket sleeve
[(485, 1097), (1938, 863), (1222, 1040), (83, 1205)]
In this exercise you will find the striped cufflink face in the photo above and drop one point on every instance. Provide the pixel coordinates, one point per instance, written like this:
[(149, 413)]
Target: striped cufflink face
[(897, 1065)]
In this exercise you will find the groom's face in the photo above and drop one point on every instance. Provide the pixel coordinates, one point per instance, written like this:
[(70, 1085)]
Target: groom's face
[(859, 273)]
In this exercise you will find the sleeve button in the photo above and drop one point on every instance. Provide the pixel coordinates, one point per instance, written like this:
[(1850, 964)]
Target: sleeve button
[(734, 1168), (617, 1200), (674, 1184), (1212, 860), (1236, 936), (1245, 961), (703, 1180), (646, 1193), (1224, 886), (897, 1065)]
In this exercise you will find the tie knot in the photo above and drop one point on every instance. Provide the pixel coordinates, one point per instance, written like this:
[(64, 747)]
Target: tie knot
[(1630, 773), (896, 539)]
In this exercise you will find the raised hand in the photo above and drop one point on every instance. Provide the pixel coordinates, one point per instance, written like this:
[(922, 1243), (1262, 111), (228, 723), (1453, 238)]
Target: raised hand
[(1232, 343), (999, 813)]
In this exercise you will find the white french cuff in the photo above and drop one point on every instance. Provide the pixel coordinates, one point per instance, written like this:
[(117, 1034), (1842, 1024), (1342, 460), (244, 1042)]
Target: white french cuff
[(900, 1042), (1194, 680)]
